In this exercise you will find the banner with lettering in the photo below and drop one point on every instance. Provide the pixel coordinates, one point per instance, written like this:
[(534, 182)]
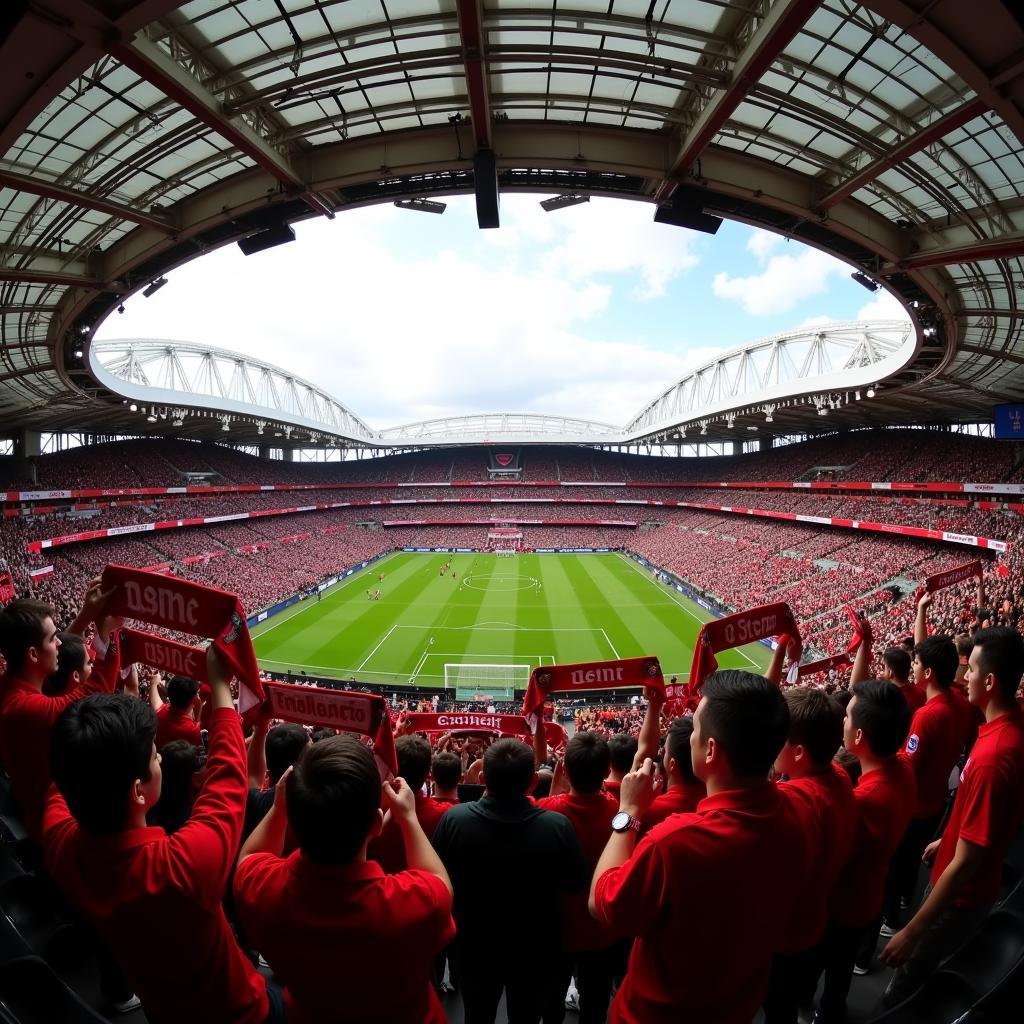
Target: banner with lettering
[(364, 713), (7, 592), (158, 652), (941, 580), (861, 634), (737, 630), (589, 675), (188, 607), (457, 722)]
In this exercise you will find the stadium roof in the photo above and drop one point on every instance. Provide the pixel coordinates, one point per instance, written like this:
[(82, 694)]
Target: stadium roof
[(137, 134)]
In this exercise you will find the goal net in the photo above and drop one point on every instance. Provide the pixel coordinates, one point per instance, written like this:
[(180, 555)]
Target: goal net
[(485, 682), (504, 542)]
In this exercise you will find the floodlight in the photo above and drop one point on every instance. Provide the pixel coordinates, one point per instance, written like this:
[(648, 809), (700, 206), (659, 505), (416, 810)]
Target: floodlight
[(561, 202), (153, 288), (865, 282), (276, 234), (871, 392), (423, 205), (133, 407), (686, 210)]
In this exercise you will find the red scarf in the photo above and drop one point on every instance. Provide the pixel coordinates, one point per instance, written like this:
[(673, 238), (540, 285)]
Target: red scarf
[(190, 608), (737, 630), (364, 713), (166, 655), (589, 675), (457, 722), (7, 592), (941, 580)]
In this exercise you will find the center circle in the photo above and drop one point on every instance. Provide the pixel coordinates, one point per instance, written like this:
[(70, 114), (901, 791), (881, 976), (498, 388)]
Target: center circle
[(500, 584)]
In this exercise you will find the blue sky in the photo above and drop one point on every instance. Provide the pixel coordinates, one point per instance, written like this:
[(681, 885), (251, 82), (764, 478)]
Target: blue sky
[(588, 311)]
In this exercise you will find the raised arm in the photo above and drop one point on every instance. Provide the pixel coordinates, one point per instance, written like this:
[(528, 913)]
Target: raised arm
[(774, 673), (921, 621), (650, 730), (257, 756), (419, 854), (862, 660)]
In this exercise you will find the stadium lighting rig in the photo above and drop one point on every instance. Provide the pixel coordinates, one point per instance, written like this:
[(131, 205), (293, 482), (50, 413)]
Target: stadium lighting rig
[(152, 289), (865, 282), (423, 205), (561, 202)]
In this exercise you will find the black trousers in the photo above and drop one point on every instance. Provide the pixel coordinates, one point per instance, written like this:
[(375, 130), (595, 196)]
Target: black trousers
[(486, 972), (595, 971), (793, 981)]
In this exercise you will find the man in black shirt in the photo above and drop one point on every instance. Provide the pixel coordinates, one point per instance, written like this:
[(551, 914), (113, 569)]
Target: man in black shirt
[(506, 857)]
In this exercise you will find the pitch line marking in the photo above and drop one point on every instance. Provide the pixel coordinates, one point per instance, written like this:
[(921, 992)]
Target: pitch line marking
[(379, 642), (678, 604), (611, 645)]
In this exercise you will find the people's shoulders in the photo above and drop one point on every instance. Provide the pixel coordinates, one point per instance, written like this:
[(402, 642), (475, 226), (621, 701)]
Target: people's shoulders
[(257, 869)]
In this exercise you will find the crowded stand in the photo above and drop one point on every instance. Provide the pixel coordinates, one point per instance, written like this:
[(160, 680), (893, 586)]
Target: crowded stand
[(586, 822)]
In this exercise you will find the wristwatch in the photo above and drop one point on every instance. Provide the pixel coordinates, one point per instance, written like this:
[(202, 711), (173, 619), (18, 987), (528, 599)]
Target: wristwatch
[(624, 821)]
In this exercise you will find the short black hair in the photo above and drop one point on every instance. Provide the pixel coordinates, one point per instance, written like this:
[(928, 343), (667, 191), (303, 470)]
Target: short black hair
[(677, 745), (181, 691), (71, 657), (587, 758), (964, 644), (621, 750), (446, 768), (99, 746), (748, 716), (413, 755), (897, 660), (21, 627), (815, 723), (508, 768), (284, 746), (939, 653), (333, 797), (179, 762), (882, 714), (1002, 654)]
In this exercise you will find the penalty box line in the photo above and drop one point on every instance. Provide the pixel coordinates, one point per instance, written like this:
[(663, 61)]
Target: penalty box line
[(508, 659)]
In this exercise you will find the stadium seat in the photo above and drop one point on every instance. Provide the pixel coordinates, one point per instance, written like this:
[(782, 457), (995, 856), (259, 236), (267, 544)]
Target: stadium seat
[(29, 905), (33, 994), (12, 944), (944, 999), (992, 953)]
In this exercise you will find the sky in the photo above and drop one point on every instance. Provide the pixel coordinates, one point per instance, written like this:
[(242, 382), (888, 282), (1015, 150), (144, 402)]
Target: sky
[(590, 311)]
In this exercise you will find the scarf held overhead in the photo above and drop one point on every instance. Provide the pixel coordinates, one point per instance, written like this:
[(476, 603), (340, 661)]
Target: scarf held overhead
[(478, 722), (739, 629), (190, 608), (589, 675), (363, 713), (166, 655), (941, 580)]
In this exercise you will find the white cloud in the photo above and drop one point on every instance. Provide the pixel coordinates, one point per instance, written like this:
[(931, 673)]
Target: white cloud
[(763, 243), (784, 283), (882, 307), (402, 333)]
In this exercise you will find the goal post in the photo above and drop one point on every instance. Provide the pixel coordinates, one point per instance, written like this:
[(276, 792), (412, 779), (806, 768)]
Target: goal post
[(485, 682)]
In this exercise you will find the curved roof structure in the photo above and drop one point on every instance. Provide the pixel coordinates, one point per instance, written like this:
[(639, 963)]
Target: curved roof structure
[(137, 134), (191, 385)]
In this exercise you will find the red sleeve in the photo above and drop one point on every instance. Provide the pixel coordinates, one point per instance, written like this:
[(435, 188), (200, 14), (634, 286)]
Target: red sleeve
[(427, 907), (104, 673), (250, 877), (988, 801), (631, 897), (203, 851), (58, 828), (917, 732)]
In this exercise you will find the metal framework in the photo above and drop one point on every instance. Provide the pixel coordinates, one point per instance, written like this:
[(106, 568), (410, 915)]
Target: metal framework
[(176, 380), (137, 135)]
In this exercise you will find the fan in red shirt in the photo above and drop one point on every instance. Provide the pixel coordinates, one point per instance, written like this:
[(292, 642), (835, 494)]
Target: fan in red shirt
[(176, 717), (622, 749), (875, 728), (330, 922), (685, 791), (896, 668), (987, 812), (446, 771), (29, 644), (709, 895), (127, 878), (587, 944), (388, 848), (822, 793)]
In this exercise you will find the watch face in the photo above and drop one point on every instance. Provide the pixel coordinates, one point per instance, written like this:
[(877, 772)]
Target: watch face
[(620, 822)]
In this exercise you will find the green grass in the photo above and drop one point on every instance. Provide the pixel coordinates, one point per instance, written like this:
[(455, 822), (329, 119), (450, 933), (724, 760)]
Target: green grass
[(586, 608)]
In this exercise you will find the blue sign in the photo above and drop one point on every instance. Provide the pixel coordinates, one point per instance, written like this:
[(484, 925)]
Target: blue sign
[(1010, 422)]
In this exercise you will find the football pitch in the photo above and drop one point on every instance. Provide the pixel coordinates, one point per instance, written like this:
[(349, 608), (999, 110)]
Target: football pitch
[(525, 610)]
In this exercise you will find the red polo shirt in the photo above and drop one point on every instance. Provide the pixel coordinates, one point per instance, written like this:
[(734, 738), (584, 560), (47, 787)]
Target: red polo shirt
[(611, 786), (826, 798), (336, 934), (388, 849), (885, 801), (591, 816), (988, 808), (914, 695), (938, 733), (176, 724), (154, 896), (709, 896), (26, 718), (676, 800)]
